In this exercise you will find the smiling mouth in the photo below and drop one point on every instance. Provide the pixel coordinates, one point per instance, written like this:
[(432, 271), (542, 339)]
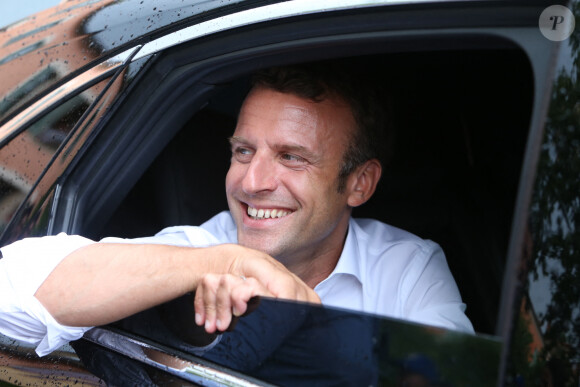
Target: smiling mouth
[(266, 213)]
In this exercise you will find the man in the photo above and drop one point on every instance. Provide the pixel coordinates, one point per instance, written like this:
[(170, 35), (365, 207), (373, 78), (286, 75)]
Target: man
[(304, 153)]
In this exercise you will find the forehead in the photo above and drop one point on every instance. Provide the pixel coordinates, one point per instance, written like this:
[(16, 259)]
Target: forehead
[(272, 114)]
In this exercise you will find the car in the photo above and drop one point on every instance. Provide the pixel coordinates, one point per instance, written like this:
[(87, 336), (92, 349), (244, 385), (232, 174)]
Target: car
[(114, 118)]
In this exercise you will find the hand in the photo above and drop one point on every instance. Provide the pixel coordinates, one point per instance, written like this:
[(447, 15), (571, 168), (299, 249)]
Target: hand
[(248, 273), (220, 297)]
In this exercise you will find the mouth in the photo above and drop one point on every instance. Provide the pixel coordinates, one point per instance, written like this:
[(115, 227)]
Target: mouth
[(267, 213)]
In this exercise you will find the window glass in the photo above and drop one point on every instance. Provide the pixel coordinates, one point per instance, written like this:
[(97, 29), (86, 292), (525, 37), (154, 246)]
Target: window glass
[(294, 344), (24, 158), (546, 340), (37, 214)]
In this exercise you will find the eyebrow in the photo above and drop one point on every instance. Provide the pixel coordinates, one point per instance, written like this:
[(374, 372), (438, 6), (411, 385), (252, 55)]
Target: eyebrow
[(237, 140)]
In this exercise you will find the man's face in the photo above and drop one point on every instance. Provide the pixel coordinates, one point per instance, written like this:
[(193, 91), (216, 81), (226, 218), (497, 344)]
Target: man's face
[(283, 178)]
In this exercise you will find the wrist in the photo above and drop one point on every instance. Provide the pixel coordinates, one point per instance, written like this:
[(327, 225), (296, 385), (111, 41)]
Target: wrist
[(219, 259)]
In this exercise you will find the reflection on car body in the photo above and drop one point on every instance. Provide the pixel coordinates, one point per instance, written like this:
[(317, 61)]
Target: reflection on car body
[(102, 101)]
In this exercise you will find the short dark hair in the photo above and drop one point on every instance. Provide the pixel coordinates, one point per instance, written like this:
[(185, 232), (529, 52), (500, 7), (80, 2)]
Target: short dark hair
[(321, 80)]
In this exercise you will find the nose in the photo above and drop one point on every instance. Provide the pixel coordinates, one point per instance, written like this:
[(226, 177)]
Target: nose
[(260, 175)]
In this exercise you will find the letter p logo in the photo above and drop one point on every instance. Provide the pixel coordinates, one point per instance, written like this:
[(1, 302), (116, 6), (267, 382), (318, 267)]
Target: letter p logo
[(557, 20), (557, 23)]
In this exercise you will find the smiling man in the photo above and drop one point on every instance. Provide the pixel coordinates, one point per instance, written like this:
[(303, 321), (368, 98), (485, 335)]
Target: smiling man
[(283, 184), (304, 154)]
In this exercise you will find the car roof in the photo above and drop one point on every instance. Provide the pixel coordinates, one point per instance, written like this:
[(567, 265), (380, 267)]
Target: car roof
[(50, 47), (46, 48)]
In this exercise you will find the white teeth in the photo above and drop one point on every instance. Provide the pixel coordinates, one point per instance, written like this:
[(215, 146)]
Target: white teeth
[(266, 214)]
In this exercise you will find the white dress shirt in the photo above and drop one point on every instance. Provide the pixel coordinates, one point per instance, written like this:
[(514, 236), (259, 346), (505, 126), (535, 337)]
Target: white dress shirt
[(382, 270)]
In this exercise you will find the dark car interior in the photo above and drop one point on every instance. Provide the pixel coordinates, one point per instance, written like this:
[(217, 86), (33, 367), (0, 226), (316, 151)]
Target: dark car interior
[(459, 119)]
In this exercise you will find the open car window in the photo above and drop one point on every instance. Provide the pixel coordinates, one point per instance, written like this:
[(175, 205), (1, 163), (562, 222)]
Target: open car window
[(452, 176), (460, 120)]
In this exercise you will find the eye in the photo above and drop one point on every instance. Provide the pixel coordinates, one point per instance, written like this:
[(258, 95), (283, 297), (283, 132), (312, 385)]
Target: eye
[(242, 154), (292, 159)]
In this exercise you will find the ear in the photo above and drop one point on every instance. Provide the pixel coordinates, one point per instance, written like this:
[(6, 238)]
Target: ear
[(363, 182)]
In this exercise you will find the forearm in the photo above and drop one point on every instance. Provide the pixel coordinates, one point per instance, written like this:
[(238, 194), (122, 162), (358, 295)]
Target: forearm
[(99, 283), (106, 282)]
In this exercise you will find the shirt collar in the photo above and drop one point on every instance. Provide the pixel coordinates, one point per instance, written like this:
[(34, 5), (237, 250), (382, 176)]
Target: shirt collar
[(349, 262)]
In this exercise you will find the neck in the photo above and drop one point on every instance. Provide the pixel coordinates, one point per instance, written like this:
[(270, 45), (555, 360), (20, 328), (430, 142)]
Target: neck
[(315, 266)]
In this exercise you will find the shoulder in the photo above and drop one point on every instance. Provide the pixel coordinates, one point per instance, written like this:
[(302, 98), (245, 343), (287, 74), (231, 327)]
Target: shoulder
[(407, 276), (390, 254), (376, 238)]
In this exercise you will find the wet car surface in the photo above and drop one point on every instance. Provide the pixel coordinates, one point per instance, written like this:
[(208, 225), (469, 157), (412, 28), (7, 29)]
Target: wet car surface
[(108, 108)]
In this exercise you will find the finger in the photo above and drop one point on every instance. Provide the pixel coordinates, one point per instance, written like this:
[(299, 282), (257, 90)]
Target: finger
[(244, 292), (233, 294), (199, 305), (208, 286), (223, 301)]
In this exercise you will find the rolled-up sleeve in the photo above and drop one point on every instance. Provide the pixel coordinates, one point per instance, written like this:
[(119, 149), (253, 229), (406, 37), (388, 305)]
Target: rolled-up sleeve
[(27, 263), (24, 267)]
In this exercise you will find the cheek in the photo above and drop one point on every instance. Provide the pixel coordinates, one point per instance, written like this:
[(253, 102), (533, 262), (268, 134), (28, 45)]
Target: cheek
[(305, 187)]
